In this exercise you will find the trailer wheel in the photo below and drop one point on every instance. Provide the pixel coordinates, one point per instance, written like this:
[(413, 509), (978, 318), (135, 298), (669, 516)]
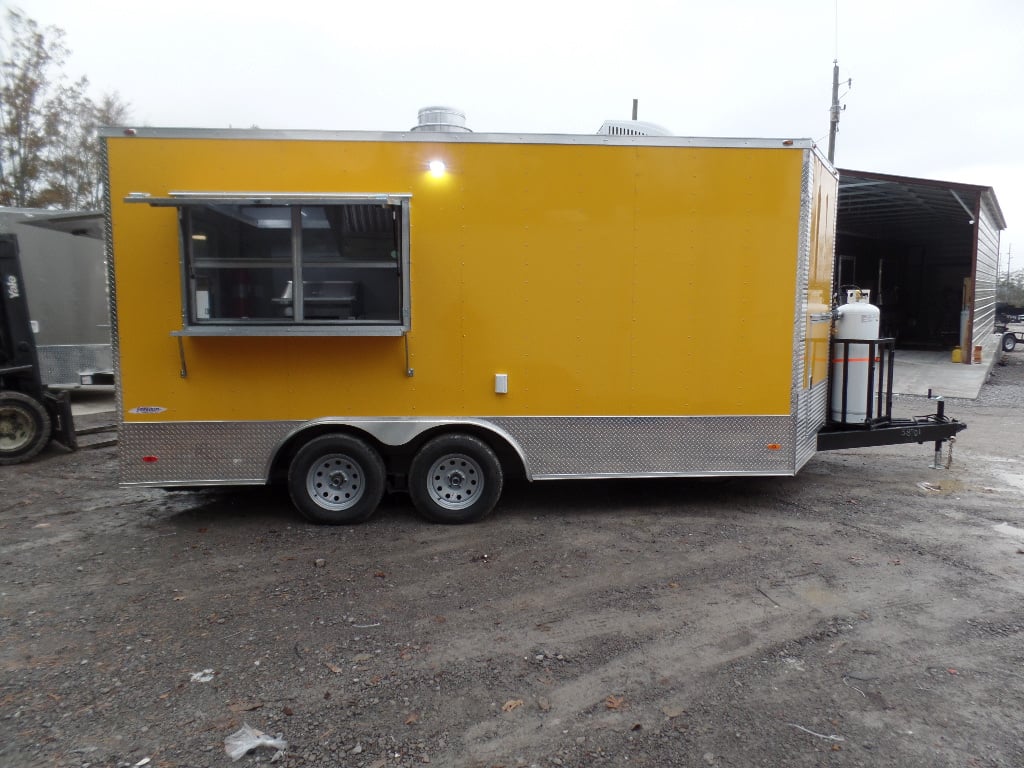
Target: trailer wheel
[(455, 479), (337, 480), (24, 427), (1009, 341)]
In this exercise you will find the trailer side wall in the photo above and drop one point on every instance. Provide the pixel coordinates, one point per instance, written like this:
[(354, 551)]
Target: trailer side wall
[(616, 284)]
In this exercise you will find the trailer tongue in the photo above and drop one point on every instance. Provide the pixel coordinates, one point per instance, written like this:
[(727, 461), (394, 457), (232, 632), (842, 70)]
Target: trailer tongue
[(935, 427)]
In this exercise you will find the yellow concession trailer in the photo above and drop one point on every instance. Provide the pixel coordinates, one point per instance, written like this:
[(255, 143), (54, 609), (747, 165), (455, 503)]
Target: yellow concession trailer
[(430, 312)]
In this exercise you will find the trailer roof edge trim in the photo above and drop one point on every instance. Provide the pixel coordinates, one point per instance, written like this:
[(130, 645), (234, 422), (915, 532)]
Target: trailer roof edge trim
[(422, 137), (181, 198)]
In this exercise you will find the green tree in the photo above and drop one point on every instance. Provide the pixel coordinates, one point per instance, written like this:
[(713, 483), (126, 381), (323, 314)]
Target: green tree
[(1010, 290), (49, 151)]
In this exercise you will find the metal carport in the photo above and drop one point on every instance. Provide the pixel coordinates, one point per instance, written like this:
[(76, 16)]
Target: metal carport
[(928, 250)]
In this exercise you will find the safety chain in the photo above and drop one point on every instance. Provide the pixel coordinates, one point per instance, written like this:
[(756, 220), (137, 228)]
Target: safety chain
[(949, 459)]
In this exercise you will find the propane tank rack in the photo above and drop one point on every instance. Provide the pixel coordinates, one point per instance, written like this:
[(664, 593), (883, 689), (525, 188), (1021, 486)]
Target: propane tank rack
[(878, 426), (878, 400)]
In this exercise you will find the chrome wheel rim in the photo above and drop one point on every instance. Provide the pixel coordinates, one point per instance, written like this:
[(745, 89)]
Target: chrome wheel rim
[(455, 481), (335, 482)]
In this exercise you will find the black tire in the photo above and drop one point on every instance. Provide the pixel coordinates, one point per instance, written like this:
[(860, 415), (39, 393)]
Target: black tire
[(455, 479), (1009, 342), (336, 480), (24, 427)]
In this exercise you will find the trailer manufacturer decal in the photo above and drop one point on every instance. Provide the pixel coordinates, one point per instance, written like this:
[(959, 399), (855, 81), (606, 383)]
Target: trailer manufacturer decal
[(147, 409)]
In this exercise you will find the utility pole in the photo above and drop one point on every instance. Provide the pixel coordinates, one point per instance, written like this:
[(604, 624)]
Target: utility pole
[(636, 102), (834, 113)]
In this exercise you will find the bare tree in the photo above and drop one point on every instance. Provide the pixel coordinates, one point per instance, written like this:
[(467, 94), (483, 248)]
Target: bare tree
[(63, 167), (109, 110), (73, 171), (30, 56), (49, 150)]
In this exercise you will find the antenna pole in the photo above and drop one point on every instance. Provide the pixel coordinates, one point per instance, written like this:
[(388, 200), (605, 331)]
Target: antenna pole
[(834, 113)]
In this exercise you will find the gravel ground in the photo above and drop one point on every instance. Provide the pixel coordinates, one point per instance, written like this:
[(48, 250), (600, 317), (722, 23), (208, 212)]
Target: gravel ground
[(868, 612)]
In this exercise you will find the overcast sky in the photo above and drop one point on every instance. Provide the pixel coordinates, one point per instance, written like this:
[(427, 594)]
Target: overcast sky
[(937, 86)]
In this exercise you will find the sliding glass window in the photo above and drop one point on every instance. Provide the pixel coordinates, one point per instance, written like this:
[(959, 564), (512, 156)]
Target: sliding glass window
[(339, 264)]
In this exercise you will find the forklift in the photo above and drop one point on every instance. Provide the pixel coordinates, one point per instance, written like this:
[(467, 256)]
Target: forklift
[(31, 414)]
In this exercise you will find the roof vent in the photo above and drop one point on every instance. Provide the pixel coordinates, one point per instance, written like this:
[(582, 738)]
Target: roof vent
[(442, 120), (631, 128)]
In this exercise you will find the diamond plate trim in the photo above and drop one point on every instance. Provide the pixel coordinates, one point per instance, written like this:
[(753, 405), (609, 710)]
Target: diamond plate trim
[(200, 453), (804, 435), (108, 247), (65, 363), (812, 412), (634, 446), (224, 453)]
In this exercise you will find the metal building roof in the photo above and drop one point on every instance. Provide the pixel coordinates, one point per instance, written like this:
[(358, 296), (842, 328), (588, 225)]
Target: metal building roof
[(910, 209)]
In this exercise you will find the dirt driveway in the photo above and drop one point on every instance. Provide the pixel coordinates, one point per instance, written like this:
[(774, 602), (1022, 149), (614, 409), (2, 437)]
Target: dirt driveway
[(869, 612)]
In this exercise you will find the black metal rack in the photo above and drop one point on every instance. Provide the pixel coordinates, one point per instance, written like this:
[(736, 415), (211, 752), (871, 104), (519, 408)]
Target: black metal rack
[(878, 427), (880, 358)]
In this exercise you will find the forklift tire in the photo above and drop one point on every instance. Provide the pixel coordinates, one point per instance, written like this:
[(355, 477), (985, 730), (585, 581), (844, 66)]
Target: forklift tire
[(1009, 341), (455, 479), (24, 427), (337, 480)]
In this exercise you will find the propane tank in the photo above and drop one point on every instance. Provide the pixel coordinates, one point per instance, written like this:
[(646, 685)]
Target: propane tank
[(856, 319)]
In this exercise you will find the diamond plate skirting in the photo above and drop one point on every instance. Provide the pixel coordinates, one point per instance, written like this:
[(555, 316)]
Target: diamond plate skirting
[(66, 363), (564, 447), (812, 411), (199, 453), (213, 453)]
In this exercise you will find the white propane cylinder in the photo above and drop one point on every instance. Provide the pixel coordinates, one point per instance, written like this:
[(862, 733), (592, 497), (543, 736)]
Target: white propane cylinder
[(857, 319)]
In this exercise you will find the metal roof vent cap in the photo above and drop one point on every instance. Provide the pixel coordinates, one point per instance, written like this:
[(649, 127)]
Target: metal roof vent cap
[(632, 128), (442, 120)]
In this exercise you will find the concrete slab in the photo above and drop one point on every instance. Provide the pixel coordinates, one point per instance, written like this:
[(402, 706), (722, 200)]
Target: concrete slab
[(90, 400), (917, 371)]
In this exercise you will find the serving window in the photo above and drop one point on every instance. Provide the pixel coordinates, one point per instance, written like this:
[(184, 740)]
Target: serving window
[(275, 264)]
